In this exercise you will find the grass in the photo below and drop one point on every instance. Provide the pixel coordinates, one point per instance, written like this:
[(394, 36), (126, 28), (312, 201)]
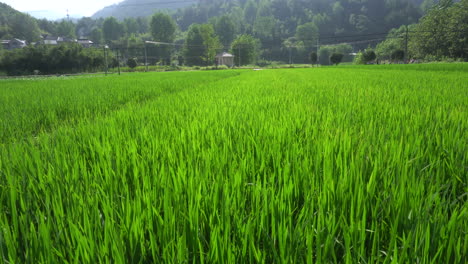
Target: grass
[(324, 165)]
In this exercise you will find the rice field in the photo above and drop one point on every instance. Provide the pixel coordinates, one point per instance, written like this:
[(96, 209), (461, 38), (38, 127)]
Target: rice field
[(319, 165)]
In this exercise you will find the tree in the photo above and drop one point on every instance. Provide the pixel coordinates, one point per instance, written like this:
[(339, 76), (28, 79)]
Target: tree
[(131, 26), (112, 29), (96, 36), (307, 33), (84, 26), (244, 49), (200, 45), (66, 29), (443, 31), (325, 53), (313, 57), (336, 58), (225, 30), (132, 63), (398, 55), (369, 55), (24, 27), (162, 27)]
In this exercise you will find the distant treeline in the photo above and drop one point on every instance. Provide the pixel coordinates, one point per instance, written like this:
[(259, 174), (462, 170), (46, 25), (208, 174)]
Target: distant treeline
[(255, 32), (44, 59)]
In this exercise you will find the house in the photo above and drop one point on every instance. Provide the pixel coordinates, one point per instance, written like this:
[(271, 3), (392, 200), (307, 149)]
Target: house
[(50, 40), (53, 40), (65, 40), (225, 59), (86, 43), (13, 44)]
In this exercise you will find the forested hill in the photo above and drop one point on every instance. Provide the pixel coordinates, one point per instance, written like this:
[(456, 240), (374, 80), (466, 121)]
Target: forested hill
[(16, 24), (331, 16), (141, 8)]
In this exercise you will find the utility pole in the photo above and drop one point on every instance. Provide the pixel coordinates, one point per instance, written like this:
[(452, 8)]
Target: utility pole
[(146, 59), (406, 45), (240, 54), (105, 57), (118, 59), (318, 47), (290, 56)]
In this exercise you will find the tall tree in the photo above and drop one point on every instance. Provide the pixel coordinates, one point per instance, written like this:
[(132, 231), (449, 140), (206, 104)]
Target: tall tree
[(66, 29), (131, 26), (200, 45), (112, 29), (245, 49), (225, 30), (24, 27), (163, 29), (96, 36)]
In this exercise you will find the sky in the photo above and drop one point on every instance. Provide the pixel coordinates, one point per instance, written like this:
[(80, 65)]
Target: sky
[(54, 9)]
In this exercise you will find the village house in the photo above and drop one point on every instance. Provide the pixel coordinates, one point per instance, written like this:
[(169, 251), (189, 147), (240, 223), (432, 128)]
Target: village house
[(13, 44), (86, 43), (54, 40), (225, 59)]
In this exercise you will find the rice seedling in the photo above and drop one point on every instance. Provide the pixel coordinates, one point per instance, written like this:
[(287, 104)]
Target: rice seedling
[(331, 165)]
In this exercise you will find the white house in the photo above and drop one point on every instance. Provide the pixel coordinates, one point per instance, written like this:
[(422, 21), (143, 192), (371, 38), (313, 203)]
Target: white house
[(85, 42), (13, 44), (225, 59)]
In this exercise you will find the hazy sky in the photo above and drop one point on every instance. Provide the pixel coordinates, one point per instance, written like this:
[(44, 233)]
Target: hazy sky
[(59, 7)]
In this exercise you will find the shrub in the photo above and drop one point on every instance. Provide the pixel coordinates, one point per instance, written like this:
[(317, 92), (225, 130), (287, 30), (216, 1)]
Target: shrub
[(397, 55), (336, 58), (132, 63), (313, 57)]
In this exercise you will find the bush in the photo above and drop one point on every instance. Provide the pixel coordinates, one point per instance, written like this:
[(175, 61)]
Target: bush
[(263, 63), (397, 55), (313, 57), (369, 55), (336, 58), (359, 59), (132, 63)]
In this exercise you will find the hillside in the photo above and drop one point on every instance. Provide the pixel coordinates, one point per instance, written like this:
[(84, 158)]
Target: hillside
[(141, 8), (15, 24)]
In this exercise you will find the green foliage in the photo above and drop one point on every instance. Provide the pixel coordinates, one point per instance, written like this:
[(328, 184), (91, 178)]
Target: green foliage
[(140, 8), (443, 31), (369, 55), (112, 29), (132, 63), (201, 45), (398, 55), (313, 58), (131, 26), (225, 30), (336, 58), (65, 58), (24, 27), (245, 50), (325, 53), (97, 36), (328, 165), (307, 33), (66, 29), (359, 59), (163, 27)]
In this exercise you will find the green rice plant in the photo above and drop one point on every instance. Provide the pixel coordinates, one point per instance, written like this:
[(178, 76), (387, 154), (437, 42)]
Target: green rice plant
[(319, 165)]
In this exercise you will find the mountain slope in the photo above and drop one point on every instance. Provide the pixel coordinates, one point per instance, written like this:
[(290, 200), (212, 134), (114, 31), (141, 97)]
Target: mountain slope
[(14, 24), (141, 8)]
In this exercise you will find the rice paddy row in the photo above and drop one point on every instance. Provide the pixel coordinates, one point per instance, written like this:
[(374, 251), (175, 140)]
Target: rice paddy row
[(331, 165)]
